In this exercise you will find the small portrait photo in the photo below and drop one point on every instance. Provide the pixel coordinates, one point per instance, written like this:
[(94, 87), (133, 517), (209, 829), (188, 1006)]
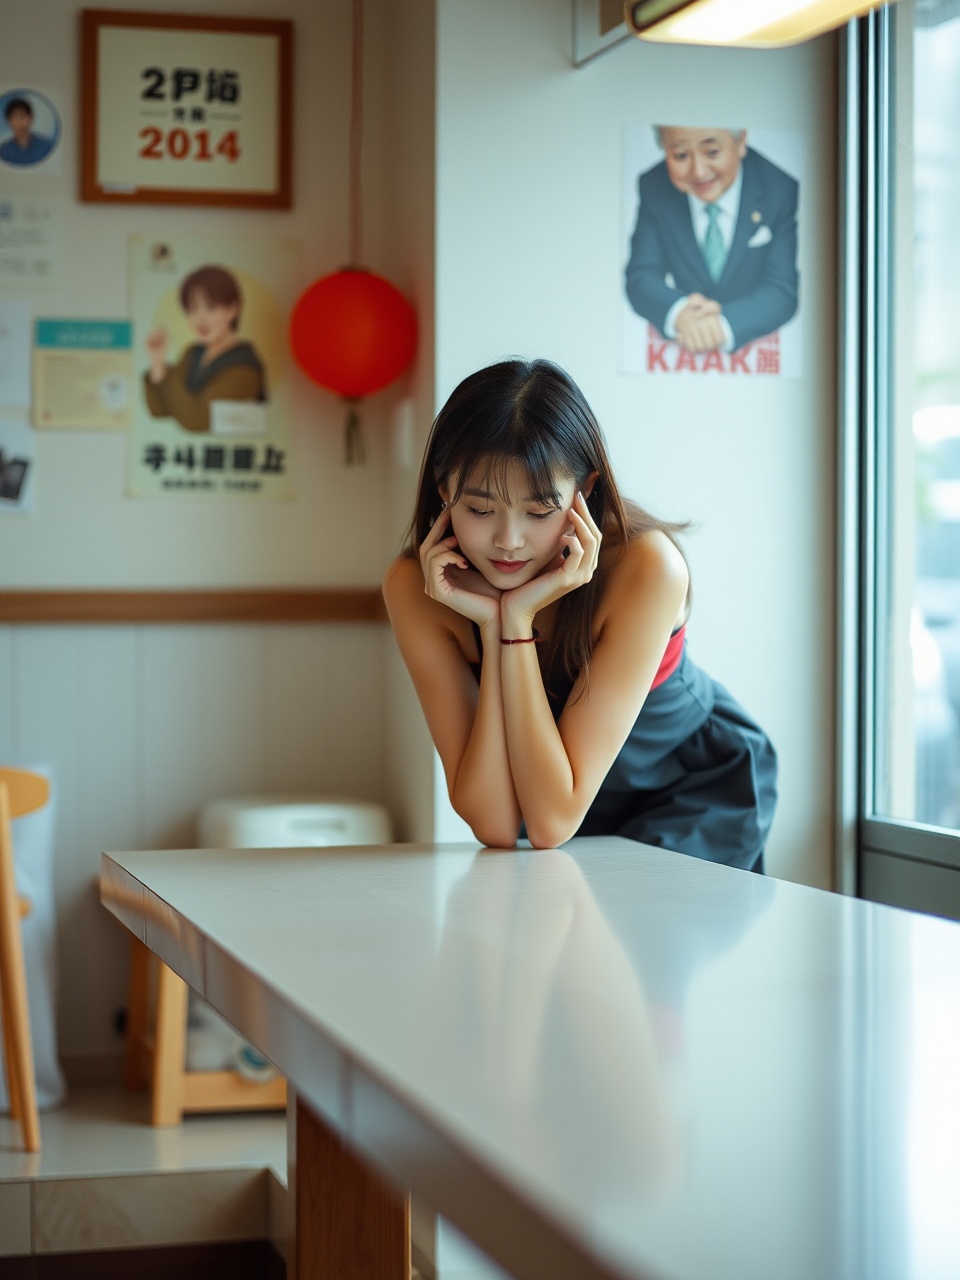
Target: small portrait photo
[(17, 458), (30, 130), (13, 473), (711, 281)]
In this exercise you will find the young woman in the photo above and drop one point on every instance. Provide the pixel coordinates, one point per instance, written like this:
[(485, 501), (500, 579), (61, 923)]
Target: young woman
[(542, 619), (219, 366)]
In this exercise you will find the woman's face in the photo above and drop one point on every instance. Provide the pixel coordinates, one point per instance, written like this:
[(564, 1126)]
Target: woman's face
[(212, 322), (510, 540)]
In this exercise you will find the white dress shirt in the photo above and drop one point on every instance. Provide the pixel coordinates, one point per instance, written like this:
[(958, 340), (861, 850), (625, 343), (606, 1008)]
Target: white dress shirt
[(728, 207)]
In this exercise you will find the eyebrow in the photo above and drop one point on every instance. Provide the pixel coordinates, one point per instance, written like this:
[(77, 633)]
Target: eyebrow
[(544, 500)]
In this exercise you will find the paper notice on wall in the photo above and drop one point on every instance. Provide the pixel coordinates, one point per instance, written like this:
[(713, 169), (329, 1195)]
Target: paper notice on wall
[(31, 242), (83, 375), (17, 466), (15, 353), (213, 412)]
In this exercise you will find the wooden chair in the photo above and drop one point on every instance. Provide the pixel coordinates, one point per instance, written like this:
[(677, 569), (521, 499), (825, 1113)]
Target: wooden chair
[(156, 1058), (21, 792)]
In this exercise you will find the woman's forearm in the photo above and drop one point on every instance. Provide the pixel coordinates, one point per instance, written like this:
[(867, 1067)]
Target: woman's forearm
[(483, 793), (541, 771)]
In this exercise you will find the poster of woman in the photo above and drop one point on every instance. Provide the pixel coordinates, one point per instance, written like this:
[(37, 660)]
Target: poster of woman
[(209, 321), (220, 366)]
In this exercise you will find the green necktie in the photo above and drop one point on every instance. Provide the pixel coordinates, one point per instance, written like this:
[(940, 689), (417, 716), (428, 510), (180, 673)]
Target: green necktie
[(714, 250)]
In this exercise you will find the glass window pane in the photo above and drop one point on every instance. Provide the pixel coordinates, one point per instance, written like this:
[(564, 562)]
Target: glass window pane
[(918, 721)]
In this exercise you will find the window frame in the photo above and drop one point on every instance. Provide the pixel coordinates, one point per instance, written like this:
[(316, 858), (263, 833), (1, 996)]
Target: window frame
[(903, 863)]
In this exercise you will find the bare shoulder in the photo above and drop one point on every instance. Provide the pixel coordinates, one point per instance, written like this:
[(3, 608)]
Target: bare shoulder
[(402, 578), (652, 558), (413, 613), (403, 592), (648, 580)]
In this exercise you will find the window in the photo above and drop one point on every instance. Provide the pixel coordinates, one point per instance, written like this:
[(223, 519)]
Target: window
[(903, 360)]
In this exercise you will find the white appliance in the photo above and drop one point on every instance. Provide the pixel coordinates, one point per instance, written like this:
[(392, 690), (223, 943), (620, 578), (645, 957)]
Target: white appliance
[(277, 822)]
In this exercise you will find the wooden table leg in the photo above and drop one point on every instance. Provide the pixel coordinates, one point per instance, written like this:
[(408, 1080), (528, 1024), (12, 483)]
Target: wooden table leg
[(169, 1048), (350, 1223), (138, 1015)]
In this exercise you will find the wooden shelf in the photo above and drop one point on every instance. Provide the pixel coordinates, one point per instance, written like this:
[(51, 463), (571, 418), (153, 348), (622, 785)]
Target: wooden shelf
[(359, 604)]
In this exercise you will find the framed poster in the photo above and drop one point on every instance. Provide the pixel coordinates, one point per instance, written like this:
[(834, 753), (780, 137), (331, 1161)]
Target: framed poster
[(183, 109)]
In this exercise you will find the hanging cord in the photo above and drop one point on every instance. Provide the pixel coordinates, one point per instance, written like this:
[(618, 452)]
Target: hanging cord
[(356, 133), (354, 449)]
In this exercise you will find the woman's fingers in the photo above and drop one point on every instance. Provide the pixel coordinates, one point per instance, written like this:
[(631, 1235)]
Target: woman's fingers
[(587, 536), (436, 532), (437, 548), (581, 509), (439, 559), (577, 565)]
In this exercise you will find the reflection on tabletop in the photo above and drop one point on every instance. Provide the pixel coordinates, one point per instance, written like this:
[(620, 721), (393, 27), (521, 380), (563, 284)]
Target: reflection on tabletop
[(531, 972)]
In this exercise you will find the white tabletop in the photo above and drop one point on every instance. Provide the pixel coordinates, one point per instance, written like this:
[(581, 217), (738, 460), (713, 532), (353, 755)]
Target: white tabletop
[(601, 1061)]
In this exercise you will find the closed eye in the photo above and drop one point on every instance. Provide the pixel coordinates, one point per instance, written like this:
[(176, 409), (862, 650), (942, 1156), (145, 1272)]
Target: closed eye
[(542, 515), (475, 511)]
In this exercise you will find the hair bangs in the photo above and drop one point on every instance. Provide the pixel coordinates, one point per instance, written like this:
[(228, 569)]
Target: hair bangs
[(496, 475), (483, 454)]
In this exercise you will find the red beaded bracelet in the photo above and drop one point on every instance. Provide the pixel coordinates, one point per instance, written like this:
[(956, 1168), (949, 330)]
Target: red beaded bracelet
[(534, 639)]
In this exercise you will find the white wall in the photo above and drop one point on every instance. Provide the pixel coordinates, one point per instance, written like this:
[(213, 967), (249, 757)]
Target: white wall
[(143, 724), (530, 253)]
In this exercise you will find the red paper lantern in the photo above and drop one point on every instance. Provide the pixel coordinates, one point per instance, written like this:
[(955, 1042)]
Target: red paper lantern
[(353, 332)]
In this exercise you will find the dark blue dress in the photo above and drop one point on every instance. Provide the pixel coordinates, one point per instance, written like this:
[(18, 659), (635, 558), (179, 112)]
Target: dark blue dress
[(696, 774)]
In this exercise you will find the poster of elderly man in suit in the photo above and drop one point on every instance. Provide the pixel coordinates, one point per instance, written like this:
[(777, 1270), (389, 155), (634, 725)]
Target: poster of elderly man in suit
[(711, 285)]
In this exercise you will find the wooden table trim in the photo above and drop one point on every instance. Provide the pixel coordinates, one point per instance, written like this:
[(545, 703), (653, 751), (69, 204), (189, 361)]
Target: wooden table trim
[(348, 604)]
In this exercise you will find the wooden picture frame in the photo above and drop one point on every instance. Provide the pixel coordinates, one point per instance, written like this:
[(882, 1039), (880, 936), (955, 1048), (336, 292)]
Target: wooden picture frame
[(185, 109)]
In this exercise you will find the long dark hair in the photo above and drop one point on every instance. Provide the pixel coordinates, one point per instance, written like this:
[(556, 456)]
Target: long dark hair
[(532, 412)]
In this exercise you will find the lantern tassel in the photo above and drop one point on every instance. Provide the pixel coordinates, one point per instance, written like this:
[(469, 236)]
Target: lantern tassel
[(355, 451)]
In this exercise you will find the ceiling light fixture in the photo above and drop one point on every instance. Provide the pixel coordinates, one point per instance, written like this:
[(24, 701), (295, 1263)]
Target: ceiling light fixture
[(758, 24)]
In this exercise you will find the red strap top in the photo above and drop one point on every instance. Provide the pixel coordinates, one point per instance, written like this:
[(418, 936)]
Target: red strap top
[(668, 663), (671, 657)]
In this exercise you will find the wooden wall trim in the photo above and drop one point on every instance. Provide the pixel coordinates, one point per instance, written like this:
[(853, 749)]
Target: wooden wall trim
[(356, 604)]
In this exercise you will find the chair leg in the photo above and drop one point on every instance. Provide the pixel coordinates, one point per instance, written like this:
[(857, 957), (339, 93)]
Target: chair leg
[(138, 1015), (16, 1018), (10, 1064), (170, 1045)]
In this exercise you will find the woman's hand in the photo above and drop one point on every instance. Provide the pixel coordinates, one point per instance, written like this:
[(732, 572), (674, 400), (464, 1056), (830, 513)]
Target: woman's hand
[(573, 567), (156, 345), (449, 578)]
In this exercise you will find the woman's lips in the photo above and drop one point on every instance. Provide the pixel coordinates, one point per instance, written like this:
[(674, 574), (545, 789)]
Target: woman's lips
[(508, 566)]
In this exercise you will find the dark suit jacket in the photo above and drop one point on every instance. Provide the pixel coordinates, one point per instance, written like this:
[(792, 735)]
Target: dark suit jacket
[(759, 285)]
